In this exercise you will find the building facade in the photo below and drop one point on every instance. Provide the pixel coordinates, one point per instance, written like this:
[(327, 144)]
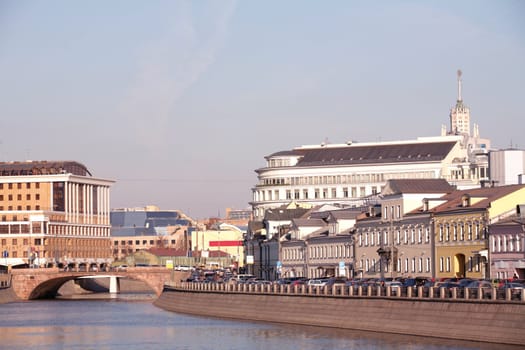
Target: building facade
[(53, 213), (136, 229)]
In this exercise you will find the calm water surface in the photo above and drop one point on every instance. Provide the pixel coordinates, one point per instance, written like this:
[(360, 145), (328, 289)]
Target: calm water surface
[(133, 324)]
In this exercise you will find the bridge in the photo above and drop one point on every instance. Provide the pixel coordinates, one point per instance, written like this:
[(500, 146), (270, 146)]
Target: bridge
[(42, 283)]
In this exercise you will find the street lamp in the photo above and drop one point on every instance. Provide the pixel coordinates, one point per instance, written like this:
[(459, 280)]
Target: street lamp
[(384, 256)]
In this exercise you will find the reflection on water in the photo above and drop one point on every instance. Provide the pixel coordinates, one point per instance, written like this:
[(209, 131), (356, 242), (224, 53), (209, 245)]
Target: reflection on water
[(131, 322)]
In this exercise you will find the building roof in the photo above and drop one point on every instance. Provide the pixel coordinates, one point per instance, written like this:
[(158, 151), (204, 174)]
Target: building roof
[(301, 222), (356, 154), (44, 167), (143, 222), (479, 198), (279, 214), (167, 251), (400, 186)]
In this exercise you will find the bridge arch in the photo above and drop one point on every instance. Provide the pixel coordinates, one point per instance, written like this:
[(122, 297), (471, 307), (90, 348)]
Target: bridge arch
[(30, 284)]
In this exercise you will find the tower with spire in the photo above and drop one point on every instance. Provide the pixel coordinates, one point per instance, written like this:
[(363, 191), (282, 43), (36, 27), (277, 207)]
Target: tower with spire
[(460, 114)]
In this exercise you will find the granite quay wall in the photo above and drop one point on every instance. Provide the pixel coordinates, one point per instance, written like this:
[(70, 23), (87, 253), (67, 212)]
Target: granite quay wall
[(490, 321)]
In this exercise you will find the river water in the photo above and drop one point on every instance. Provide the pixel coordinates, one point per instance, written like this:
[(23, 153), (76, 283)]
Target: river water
[(132, 322)]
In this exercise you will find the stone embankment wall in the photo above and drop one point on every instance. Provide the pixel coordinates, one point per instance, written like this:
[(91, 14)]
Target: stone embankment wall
[(494, 322), (7, 295)]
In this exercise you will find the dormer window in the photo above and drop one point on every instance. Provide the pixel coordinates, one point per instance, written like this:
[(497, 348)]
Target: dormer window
[(465, 201)]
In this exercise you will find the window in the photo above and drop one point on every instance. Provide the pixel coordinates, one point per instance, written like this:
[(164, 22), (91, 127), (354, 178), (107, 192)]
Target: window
[(461, 232), (137, 242), (10, 197), (420, 265), (413, 264), (428, 265), (448, 264), (14, 241), (441, 233), (28, 197), (305, 194), (19, 197), (447, 233), (427, 235), (19, 185), (441, 264), (28, 185), (419, 235), (37, 185), (10, 186)]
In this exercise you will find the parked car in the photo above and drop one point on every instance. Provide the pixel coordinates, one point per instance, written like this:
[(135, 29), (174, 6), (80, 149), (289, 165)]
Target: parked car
[(516, 289), (395, 287), (317, 282), (474, 287)]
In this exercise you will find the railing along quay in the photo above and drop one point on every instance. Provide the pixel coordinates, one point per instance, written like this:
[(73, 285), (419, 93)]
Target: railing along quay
[(417, 293)]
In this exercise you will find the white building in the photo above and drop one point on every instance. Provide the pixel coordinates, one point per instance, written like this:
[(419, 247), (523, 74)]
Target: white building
[(507, 167), (347, 174)]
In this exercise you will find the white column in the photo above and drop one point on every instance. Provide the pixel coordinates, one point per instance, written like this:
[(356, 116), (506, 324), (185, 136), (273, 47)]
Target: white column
[(114, 285), (106, 191)]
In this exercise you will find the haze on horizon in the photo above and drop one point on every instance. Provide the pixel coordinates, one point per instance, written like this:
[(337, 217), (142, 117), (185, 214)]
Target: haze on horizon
[(179, 101)]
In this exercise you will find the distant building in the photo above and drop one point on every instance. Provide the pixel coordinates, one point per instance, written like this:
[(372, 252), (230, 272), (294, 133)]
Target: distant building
[(53, 213), (507, 167), (136, 229)]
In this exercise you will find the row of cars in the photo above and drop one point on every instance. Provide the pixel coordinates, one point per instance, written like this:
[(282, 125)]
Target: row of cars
[(400, 286)]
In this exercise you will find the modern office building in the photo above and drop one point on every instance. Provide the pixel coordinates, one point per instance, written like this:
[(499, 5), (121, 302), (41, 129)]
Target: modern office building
[(53, 213)]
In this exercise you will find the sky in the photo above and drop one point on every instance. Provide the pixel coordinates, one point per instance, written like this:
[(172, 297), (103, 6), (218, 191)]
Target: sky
[(179, 102)]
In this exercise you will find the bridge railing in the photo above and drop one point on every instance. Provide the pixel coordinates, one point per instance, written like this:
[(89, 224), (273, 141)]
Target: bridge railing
[(418, 293)]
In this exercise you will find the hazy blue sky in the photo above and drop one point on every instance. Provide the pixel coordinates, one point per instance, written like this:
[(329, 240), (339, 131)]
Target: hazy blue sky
[(179, 101)]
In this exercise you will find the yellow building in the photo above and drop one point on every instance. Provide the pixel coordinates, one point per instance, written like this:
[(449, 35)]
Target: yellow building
[(461, 219), (53, 213), (223, 241)]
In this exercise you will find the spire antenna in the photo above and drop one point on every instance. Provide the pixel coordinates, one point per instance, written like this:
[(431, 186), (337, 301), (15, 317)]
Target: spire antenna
[(459, 84)]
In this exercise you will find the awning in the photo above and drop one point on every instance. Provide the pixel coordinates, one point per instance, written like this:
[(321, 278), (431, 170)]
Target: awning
[(12, 261)]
